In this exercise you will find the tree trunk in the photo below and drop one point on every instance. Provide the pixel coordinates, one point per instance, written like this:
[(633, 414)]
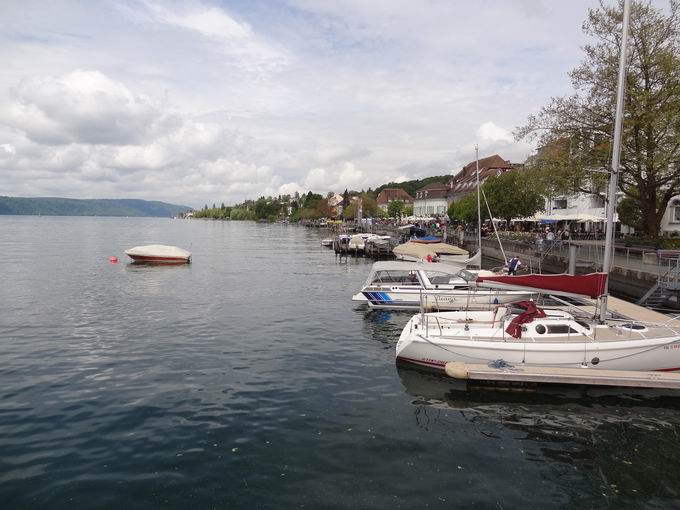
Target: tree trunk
[(651, 219)]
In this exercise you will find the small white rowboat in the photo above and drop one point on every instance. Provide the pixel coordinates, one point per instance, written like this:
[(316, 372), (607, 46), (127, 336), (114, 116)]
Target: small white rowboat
[(159, 254)]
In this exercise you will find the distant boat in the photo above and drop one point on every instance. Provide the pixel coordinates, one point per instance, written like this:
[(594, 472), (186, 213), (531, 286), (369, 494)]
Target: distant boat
[(159, 254)]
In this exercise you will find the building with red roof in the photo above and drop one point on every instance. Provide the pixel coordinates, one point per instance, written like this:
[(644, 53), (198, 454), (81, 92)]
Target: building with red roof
[(390, 195)]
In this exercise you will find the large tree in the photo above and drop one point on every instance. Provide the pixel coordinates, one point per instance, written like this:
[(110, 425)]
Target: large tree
[(465, 209), (577, 129), (395, 208), (512, 196)]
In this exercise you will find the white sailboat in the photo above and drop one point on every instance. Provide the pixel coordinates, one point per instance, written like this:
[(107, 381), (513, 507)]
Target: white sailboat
[(529, 335)]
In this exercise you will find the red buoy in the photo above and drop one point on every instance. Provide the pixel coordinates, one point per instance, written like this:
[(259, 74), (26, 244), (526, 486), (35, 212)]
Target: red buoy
[(429, 257), (113, 260)]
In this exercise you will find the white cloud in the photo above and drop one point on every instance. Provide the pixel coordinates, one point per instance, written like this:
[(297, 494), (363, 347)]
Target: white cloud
[(192, 102), (79, 107), (208, 21), (490, 132)]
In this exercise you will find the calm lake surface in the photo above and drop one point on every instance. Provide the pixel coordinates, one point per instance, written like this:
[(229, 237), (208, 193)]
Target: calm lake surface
[(250, 380)]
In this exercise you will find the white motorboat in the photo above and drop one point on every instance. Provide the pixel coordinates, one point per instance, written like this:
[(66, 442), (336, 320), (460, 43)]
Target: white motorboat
[(159, 254), (327, 242), (399, 285), (542, 337), (358, 241)]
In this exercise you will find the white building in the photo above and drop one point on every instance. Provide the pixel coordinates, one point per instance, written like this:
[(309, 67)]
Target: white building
[(431, 200)]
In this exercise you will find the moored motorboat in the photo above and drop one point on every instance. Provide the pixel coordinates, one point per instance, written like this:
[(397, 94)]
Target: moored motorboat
[(404, 285), (159, 254)]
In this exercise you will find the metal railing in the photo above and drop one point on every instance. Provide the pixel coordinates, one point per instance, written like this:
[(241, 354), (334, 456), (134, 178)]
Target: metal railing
[(669, 273)]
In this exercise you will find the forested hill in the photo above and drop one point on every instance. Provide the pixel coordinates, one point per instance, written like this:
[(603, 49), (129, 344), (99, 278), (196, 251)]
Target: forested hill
[(52, 206), (412, 186)]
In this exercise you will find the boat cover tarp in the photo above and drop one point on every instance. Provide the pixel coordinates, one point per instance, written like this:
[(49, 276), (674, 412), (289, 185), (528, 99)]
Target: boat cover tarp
[(531, 312), (427, 239), (422, 250), (590, 285), (159, 251)]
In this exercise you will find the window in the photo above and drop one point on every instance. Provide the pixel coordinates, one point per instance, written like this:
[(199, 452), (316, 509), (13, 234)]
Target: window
[(560, 329), (597, 201), (560, 203), (675, 211)]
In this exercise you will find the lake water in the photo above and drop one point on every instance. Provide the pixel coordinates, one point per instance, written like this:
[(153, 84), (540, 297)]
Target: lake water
[(250, 380)]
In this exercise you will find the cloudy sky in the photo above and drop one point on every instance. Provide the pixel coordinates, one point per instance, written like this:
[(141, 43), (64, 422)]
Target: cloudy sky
[(210, 101)]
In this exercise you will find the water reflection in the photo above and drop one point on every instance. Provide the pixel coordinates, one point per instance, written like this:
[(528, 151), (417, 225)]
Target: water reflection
[(384, 326), (621, 441), (138, 266)]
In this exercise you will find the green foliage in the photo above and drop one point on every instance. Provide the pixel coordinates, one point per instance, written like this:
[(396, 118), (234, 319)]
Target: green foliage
[(630, 213), (465, 209), (412, 186), (511, 195), (395, 208), (345, 198), (311, 200), (408, 210), (266, 209), (370, 206), (241, 214)]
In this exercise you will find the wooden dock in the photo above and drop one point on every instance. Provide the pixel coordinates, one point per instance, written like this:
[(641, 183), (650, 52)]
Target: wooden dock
[(523, 374)]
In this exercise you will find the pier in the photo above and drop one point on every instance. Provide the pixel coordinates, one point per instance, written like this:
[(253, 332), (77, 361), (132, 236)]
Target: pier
[(532, 375)]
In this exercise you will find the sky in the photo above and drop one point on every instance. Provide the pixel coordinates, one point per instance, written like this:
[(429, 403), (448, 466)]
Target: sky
[(195, 102)]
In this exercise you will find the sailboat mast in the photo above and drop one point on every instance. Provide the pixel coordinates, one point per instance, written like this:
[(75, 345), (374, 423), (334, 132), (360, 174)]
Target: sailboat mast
[(616, 158), (479, 208)]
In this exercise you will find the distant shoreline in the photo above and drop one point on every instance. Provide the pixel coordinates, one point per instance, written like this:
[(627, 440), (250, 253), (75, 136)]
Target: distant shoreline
[(96, 207)]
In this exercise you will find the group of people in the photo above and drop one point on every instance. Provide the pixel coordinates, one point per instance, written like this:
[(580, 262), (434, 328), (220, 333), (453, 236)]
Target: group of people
[(561, 235)]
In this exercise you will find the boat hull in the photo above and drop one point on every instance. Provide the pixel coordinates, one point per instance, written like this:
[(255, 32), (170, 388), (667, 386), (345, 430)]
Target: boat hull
[(149, 259), (662, 353), (407, 299)]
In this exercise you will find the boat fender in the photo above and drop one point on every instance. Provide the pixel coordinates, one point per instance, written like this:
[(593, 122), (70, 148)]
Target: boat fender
[(456, 369)]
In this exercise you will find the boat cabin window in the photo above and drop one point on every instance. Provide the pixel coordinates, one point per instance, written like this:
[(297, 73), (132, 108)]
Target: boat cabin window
[(634, 326), (438, 278), (583, 324), (555, 329), (560, 329), (466, 275)]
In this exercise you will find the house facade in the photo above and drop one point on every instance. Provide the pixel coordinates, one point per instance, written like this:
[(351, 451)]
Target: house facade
[(465, 181), (431, 200), (392, 194)]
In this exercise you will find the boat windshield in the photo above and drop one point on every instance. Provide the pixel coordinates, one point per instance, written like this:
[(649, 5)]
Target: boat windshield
[(400, 277)]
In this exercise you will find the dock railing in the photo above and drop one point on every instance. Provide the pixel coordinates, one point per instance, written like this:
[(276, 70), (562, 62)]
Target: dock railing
[(669, 269)]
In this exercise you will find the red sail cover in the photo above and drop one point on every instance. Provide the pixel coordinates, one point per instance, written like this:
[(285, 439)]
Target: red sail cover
[(515, 327), (590, 285)]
